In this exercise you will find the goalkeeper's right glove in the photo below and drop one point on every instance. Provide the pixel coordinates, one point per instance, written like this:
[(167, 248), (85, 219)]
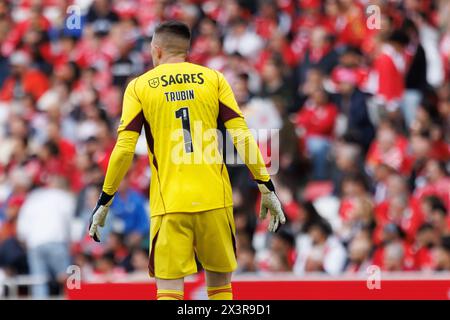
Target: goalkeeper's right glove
[(270, 201), (99, 214)]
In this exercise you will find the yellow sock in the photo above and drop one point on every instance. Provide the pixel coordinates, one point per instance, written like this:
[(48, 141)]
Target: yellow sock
[(169, 294), (220, 293)]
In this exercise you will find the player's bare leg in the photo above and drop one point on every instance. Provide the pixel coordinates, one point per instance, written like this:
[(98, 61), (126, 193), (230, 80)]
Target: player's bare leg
[(172, 289), (219, 285)]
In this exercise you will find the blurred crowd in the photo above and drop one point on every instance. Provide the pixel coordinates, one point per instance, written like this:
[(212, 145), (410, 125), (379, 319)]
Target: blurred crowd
[(358, 91)]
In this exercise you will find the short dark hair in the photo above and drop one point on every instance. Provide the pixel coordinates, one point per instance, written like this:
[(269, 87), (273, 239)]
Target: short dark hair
[(439, 206), (287, 236), (399, 36), (356, 177), (174, 28), (323, 225), (425, 227), (445, 243)]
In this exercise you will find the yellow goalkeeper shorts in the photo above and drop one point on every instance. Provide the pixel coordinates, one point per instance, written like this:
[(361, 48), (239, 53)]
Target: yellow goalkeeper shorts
[(176, 238)]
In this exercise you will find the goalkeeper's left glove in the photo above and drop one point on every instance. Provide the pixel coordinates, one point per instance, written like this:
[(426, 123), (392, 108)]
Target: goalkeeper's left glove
[(270, 201), (99, 214)]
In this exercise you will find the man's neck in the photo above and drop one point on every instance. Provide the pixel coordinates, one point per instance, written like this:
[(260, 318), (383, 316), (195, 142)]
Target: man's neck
[(173, 59)]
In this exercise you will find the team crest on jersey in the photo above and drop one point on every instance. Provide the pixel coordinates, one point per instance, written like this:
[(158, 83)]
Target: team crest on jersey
[(154, 83)]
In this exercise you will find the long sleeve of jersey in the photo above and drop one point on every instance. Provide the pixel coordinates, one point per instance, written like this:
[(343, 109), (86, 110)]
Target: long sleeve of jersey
[(236, 126), (247, 148), (128, 134), (120, 160)]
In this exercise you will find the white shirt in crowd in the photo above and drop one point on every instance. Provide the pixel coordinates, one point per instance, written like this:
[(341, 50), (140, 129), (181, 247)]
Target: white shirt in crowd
[(45, 217), (248, 44), (332, 255), (429, 38)]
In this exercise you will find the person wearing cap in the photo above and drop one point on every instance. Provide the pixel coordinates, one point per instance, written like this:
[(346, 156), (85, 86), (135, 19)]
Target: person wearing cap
[(352, 103)]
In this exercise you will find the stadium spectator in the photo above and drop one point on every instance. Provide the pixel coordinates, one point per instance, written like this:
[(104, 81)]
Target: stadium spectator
[(23, 79), (393, 252), (438, 218), (101, 17), (106, 269), (434, 182), (347, 161), (316, 122), (389, 148), (394, 256), (129, 214), (320, 251), (390, 68), (426, 241), (416, 83), (242, 40), (246, 260), (352, 102), (358, 217), (442, 255), (47, 243), (359, 253), (12, 253), (139, 261), (399, 208), (281, 254), (319, 54)]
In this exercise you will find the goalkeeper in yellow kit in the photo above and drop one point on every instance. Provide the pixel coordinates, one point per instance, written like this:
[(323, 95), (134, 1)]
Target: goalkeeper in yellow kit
[(178, 104)]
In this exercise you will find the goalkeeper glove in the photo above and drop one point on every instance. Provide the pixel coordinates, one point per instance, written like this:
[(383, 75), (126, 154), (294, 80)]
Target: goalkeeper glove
[(99, 214), (270, 201)]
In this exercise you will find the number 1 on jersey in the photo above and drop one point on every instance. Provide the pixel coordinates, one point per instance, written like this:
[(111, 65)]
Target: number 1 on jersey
[(183, 113)]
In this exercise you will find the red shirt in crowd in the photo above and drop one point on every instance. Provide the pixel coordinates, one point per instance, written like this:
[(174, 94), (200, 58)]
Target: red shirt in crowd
[(67, 156), (199, 52), (265, 27), (352, 27), (423, 259), (440, 150), (317, 120), (288, 55), (396, 157), (20, 29), (33, 82), (439, 188), (409, 223), (390, 67), (408, 259)]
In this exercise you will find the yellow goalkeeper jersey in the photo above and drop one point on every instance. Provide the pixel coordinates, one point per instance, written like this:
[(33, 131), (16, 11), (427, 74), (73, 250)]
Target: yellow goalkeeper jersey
[(179, 105)]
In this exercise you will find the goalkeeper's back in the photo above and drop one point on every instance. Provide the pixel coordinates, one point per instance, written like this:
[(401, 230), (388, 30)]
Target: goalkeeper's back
[(179, 105)]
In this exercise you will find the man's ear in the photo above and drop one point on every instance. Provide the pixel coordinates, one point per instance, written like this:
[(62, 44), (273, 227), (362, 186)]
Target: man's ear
[(159, 52)]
